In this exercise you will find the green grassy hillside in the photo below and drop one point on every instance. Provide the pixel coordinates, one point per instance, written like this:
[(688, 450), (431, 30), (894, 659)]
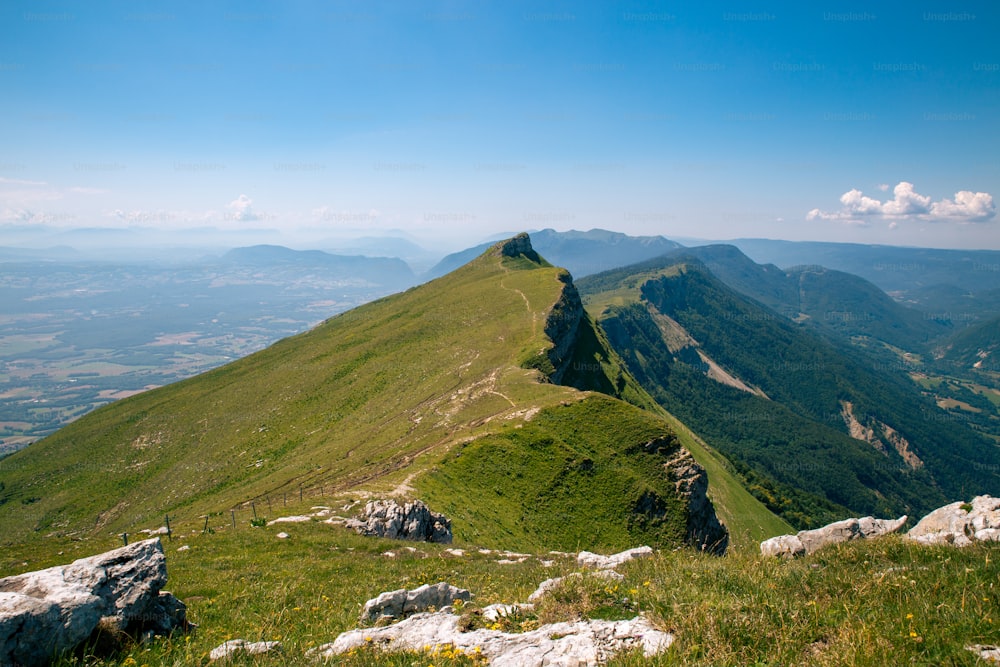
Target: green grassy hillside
[(453, 371)]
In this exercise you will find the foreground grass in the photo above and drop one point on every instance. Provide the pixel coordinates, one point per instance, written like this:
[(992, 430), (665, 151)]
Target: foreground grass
[(882, 602)]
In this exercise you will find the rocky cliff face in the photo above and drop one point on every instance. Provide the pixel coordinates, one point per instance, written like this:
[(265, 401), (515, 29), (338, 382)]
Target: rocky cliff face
[(562, 325), (704, 530)]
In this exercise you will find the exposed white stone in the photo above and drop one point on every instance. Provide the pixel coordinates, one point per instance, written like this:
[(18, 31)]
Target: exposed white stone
[(495, 612), (987, 653), (289, 519), (599, 562), (960, 524), (52, 610), (810, 541), (234, 647), (282, 536), (396, 604), (555, 645), (412, 521)]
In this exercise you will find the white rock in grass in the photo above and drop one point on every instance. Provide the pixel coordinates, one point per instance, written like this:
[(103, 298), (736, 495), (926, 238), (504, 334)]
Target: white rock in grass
[(960, 524), (810, 541), (557, 645), (45, 612), (987, 653), (289, 519), (282, 536), (234, 647), (599, 562), (396, 604)]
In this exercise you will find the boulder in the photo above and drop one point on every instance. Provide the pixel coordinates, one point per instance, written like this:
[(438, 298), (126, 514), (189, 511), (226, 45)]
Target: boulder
[(960, 523), (787, 546), (412, 521), (49, 611), (235, 647), (599, 562), (396, 604), (558, 644), (986, 652), (704, 530), (810, 541)]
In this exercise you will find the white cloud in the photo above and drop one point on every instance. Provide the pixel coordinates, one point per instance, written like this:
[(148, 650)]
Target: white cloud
[(884, 187), (906, 201), (971, 206), (242, 209), (857, 203), (908, 204)]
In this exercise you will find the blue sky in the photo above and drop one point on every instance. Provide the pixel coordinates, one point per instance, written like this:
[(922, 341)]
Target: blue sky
[(454, 121)]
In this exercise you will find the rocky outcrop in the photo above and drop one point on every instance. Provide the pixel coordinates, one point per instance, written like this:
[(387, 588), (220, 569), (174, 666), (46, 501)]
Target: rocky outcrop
[(599, 562), (45, 612), (518, 246), (236, 647), (960, 523), (810, 541), (561, 326), (397, 604), (412, 521), (987, 652), (704, 530), (581, 643)]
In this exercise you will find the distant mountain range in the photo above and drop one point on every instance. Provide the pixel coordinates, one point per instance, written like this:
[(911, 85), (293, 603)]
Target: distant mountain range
[(892, 268), (582, 253)]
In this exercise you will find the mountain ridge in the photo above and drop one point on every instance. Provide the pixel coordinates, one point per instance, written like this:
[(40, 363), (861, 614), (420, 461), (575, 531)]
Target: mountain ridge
[(363, 401)]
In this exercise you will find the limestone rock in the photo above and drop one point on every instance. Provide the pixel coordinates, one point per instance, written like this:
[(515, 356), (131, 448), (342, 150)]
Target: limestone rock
[(396, 604), (704, 530), (599, 562), (787, 546), (810, 541), (289, 519), (557, 644), (987, 653), (495, 612), (412, 521), (960, 523), (240, 646), (52, 610)]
